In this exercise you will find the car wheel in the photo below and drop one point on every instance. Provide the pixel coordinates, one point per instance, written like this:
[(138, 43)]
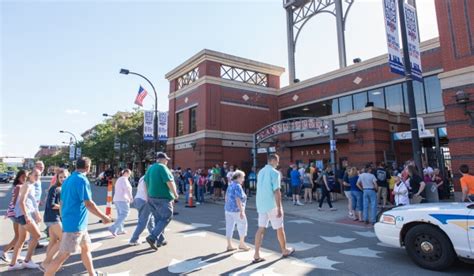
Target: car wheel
[(429, 247)]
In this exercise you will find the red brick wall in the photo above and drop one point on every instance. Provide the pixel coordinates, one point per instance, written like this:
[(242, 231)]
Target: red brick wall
[(456, 26)]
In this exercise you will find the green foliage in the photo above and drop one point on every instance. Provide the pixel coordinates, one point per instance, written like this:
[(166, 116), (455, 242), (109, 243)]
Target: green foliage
[(128, 128), (55, 160), (3, 167)]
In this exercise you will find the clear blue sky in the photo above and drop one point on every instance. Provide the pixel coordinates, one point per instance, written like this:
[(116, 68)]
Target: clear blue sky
[(60, 59)]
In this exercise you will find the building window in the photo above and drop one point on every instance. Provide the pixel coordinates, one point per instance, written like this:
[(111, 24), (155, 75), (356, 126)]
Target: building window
[(179, 124), (360, 100), (434, 99), (335, 106), (419, 97), (192, 120), (377, 97), (345, 104), (394, 98)]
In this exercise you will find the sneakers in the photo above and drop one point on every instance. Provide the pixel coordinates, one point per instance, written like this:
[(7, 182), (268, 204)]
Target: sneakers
[(4, 257), (152, 243), (122, 233), (17, 266), (163, 243), (299, 203), (30, 265), (133, 243), (320, 209)]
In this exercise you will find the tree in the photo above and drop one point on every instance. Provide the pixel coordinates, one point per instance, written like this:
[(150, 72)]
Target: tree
[(127, 128)]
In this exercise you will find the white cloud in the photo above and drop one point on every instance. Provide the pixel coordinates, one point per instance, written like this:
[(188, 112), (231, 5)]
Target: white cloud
[(75, 112)]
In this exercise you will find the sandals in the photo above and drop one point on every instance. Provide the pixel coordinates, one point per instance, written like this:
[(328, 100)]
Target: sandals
[(259, 260), (230, 249), (245, 248), (292, 251)]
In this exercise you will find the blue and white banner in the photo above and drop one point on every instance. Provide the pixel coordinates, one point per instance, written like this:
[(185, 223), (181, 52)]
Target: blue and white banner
[(413, 42), (148, 125), (395, 56), (163, 126), (72, 152)]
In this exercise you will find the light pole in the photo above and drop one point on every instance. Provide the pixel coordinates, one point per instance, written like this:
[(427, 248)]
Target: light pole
[(75, 141), (155, 125), (415, 135)]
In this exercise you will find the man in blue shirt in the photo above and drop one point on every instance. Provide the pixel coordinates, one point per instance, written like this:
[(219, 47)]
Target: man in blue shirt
[(269, 207), (295, 180), (76, 203)]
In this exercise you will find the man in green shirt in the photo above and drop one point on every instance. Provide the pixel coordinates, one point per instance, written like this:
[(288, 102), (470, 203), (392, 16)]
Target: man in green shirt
[(161, 194)]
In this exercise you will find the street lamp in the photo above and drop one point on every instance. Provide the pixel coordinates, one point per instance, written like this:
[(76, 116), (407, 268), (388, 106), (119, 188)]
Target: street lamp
[(155, 125), (75, 141)]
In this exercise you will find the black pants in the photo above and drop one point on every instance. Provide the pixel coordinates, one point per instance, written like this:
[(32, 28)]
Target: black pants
[(326, 194)]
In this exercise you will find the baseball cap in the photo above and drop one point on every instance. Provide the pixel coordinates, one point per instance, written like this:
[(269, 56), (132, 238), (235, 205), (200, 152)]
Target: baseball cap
[(162, 155)]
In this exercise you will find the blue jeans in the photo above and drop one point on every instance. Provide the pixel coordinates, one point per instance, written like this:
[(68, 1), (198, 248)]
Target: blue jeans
[(145, 219), (200, 194), (370, 201), (162, 210), (123, 209), (356, 200)]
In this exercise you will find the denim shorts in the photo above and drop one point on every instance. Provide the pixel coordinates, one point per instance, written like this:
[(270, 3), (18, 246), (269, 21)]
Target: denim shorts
[(20, 220), (51, 223)]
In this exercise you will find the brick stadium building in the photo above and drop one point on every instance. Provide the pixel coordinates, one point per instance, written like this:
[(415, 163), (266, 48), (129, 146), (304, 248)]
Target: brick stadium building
[(218, 101)]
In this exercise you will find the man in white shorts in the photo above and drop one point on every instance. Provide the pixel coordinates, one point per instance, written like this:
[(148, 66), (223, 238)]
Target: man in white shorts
[(269, 207)]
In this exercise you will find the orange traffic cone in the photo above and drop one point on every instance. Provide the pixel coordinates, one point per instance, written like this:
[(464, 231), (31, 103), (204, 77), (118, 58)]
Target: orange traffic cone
[(190, 196), (108, 208)]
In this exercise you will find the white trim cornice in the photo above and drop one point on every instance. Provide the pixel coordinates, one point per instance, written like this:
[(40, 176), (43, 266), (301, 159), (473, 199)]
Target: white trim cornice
[(245, 105), (457, 78), (216, 134), (225, 59)]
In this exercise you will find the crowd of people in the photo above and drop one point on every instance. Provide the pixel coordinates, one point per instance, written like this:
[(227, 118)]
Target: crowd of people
[(68, 202)]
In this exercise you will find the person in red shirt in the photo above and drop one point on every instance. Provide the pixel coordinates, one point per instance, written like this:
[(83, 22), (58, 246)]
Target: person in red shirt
[(467, 183)]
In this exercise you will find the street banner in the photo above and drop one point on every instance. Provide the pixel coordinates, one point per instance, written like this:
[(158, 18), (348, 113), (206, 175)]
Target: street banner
[(163, 126), (395, 57), (320, 127), (72, 150), (148, 125), (406, 135), (413, 42), (78, 152)]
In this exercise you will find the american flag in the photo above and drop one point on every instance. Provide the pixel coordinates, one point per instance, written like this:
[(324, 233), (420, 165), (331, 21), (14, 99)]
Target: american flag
[(140, 96)]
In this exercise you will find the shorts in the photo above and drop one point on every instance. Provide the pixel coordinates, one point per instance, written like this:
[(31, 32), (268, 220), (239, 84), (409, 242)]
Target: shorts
[(71, 241), (217, 184), (348, 194), (21, 219), (383, 191), (270, 216), (295, 190), (51, 223)]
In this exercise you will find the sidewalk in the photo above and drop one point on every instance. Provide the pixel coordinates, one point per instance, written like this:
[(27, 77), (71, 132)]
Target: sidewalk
[(310, 211)]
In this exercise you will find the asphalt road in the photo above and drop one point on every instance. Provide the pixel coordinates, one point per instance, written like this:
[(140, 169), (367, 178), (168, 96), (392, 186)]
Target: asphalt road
[(197, 247)]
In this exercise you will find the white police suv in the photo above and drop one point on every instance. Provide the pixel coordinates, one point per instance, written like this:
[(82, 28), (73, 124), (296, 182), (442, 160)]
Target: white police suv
[(434, 234)]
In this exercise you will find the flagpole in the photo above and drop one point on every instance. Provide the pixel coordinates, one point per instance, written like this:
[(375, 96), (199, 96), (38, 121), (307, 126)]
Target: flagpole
[(155, 125)]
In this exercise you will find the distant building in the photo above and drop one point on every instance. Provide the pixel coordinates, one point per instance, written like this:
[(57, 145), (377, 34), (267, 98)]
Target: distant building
[(49, 150)]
